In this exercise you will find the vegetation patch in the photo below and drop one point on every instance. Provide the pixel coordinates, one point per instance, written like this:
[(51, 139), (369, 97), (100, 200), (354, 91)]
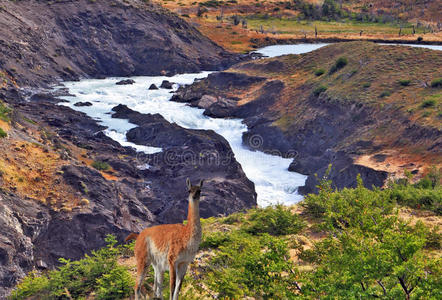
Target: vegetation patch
[(278, 220), (100, 165), (319, 90), (319, 72), (340, 63), (385, 94), (211, 3), (404, 82), (436, 83), (98, 272), (428, 103), (4, 112), (3, 134)]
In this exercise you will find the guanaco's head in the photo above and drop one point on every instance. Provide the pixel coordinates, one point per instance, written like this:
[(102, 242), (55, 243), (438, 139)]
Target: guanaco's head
[(194, 190)]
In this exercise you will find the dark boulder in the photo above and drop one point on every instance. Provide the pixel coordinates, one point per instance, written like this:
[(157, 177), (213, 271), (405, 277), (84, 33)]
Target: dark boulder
[(153, 87), (166, 85), (80, 104), (125, 82), (222, 108)]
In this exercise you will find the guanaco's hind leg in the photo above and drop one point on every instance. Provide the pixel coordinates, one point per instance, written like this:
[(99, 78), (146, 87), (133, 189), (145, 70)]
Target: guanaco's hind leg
[(180, 270), (172, 278), (158, 283), (142, 268)]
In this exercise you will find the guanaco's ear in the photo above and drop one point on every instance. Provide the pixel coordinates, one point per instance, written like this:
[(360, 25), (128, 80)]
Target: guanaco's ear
[(201, 183), (188, 184)]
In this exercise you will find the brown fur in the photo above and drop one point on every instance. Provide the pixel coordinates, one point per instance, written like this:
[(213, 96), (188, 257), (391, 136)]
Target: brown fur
[(172, 240), (132, 236)]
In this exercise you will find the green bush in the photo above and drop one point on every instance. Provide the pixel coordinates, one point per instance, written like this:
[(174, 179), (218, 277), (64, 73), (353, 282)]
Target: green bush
[(415, 197), (117, 284), (319, 72), (428, 103), (242, 268), (370, 251), (434, 239), (97, 273), (404, 82), (319, 90), (211, 3), (214, 240), (3, 134), (385, 94), (386, 260), (339, 64), (33, 284), (366, 84), (339, 209), (4, 112), (233, 218), (436, 83), (426, 193), (277, 220), (368, 247), (101, 165)]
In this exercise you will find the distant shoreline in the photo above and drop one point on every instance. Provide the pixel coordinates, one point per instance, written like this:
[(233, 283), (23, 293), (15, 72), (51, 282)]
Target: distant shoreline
[(269, 41)]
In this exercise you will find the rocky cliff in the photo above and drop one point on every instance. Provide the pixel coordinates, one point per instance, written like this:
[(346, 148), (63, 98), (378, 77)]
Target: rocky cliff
[(43, 41)]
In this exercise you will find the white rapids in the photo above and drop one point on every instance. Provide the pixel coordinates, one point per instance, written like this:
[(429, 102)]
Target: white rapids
[(273, 182)]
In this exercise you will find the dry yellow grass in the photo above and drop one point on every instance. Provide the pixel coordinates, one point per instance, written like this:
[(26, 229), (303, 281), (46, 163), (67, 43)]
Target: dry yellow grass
[(29, 170), (238, 39)]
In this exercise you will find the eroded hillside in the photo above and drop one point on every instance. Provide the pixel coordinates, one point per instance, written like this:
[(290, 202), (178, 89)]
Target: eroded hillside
[(81, 38)]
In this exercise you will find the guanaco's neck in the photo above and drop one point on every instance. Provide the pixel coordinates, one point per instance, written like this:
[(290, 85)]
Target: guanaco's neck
[(193, 217)]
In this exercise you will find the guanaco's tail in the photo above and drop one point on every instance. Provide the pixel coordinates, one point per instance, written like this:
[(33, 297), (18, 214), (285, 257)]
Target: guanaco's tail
[(132, 236)]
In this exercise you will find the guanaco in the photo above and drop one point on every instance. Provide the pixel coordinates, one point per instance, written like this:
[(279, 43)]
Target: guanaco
[(170, 246)]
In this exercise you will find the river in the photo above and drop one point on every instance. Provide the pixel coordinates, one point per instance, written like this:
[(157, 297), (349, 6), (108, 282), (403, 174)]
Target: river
[(273, 182)]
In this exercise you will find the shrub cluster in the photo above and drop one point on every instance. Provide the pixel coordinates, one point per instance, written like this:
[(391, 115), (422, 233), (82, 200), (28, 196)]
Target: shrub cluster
[(4, 112), (319, 72), (3, 134), (101, 165), (436, 83), (404, 82), (319, 90), (428, 103), (339, 64), (99, 273), (370, 252)]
